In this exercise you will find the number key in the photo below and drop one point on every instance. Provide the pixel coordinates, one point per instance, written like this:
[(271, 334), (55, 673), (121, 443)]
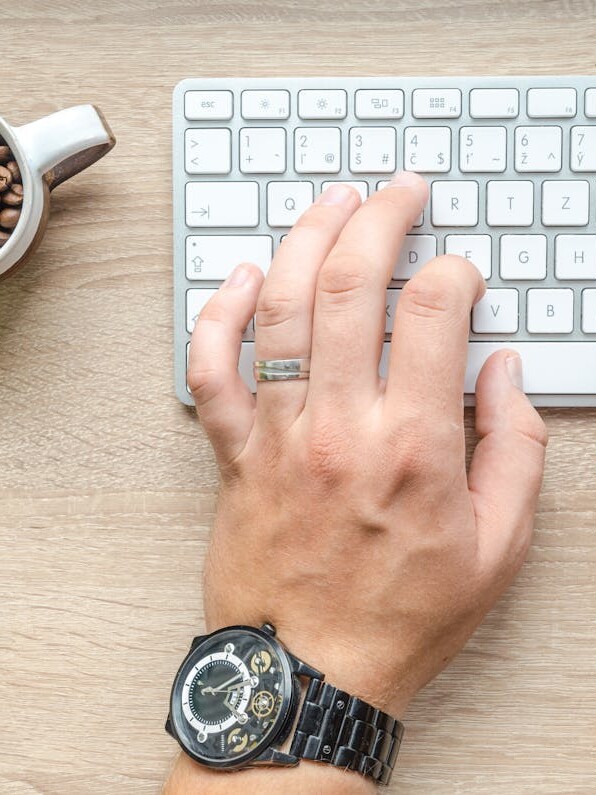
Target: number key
[(372, 150)]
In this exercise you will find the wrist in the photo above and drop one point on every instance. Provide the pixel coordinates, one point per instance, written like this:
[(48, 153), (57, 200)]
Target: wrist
[(189, 778)]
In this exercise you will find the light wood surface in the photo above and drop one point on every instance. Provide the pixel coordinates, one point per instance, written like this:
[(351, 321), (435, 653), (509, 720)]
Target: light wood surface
[(107, 484)]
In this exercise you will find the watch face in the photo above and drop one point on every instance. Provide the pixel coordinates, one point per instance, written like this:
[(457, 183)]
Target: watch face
[(231, 697)]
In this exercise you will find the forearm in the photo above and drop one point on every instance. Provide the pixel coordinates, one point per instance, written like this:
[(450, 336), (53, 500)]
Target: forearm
[(189, 778)]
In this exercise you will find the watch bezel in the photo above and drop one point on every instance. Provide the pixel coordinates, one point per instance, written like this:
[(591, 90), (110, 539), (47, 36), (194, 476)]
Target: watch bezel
[(286, 713)]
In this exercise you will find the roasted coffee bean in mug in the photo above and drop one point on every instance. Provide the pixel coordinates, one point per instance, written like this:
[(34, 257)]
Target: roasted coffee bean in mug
[(11, 192)]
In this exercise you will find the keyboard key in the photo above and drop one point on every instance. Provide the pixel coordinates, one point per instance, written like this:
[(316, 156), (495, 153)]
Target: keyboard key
[(214, 257), (323, 104), (224, 204), (523, 257), (391, 306), (436, 103), (550, 368), (455, 203), (208, 151), (262, 150), (379, 104), (482, 149), (583, 149), (476, 248), (552, 103), (416, 251), (208, 105), (372, 150), (550, 311), (494, 103), (589, 312), (497, 312), (286, 201), (427, 149), (565, 203), (538, 149), (575, 257), (591, 103), (509, 203), (317, 150), (361, 187), (195, 301), (265, 104)]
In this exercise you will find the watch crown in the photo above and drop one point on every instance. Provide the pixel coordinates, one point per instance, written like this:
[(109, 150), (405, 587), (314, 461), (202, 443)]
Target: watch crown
[(269, 629)]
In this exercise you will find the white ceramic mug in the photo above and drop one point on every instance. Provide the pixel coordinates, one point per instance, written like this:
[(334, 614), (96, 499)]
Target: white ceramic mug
[(48, 152)]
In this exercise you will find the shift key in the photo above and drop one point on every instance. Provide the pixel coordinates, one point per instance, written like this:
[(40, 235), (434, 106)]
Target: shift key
[(222, 204)]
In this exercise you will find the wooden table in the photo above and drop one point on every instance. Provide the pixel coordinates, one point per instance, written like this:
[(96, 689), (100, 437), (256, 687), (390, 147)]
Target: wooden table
[(107, 482)]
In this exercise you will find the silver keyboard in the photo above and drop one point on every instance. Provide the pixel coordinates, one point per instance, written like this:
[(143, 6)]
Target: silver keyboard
[(512, 167)]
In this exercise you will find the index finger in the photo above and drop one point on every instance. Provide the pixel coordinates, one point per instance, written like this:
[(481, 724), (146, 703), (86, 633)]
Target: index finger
[(429, 344)]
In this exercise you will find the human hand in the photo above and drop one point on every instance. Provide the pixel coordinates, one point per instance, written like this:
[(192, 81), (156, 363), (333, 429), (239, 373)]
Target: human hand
[(346, 517)]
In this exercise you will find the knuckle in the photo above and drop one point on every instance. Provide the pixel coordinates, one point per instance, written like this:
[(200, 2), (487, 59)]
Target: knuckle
[(535, 429), (276, 308), (205, 384), (326, 458), (431, 295), (418, 444), (343, 279)]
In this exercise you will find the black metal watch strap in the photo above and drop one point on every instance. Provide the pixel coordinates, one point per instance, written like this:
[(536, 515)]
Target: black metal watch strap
[(345, 731)]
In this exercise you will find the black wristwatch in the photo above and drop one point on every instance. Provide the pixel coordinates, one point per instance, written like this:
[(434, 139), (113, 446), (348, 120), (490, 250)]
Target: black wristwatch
[(235, 702)]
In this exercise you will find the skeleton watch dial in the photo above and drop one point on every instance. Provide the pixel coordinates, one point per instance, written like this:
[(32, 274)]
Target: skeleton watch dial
[(232, 696)]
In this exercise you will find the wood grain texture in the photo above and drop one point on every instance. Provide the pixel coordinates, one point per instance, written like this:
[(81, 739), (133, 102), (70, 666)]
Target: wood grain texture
[(107, 485)]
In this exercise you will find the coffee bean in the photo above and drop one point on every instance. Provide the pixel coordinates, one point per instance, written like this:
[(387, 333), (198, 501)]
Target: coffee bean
[(11, 193), (13, 197), (6, 179), (14, 169), (9, 217)]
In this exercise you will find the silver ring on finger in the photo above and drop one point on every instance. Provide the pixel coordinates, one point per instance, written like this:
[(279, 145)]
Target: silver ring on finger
[(281, 369)]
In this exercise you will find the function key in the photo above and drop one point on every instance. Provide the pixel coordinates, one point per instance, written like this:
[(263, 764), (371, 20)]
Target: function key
[(323, 104), (436, 103), (265, 104), (379, 104), (494, 103), (208, 105), (591, 103), (552, 103)]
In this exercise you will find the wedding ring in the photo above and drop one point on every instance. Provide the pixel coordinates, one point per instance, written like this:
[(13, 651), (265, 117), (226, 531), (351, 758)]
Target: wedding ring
[(281, 369)]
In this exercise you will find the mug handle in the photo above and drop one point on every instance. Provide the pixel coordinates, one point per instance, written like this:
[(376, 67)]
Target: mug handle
[(61, 145)]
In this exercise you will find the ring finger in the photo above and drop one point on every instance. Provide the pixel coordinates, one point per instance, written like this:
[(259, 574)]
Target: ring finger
[(283, 327)]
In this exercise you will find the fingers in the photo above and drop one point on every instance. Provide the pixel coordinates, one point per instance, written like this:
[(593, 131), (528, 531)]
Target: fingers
[(224, 403), (285, 306), (348, 327), (506, 471), (430, 337)]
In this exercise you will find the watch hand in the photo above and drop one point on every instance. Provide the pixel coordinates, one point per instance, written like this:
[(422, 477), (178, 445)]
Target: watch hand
[(239, 686), (219, 688), (212, 690), (241, 717)]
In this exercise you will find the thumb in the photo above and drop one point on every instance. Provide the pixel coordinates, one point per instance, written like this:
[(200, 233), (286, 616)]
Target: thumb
[(506, 470)]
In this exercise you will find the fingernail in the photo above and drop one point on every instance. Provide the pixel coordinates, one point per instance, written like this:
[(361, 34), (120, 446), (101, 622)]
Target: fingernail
[(237, 277), (337, 194), (407, 179), (515, 371)]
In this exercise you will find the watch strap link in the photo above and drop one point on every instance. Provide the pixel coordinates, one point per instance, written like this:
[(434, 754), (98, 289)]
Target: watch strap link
[(347, 732)]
